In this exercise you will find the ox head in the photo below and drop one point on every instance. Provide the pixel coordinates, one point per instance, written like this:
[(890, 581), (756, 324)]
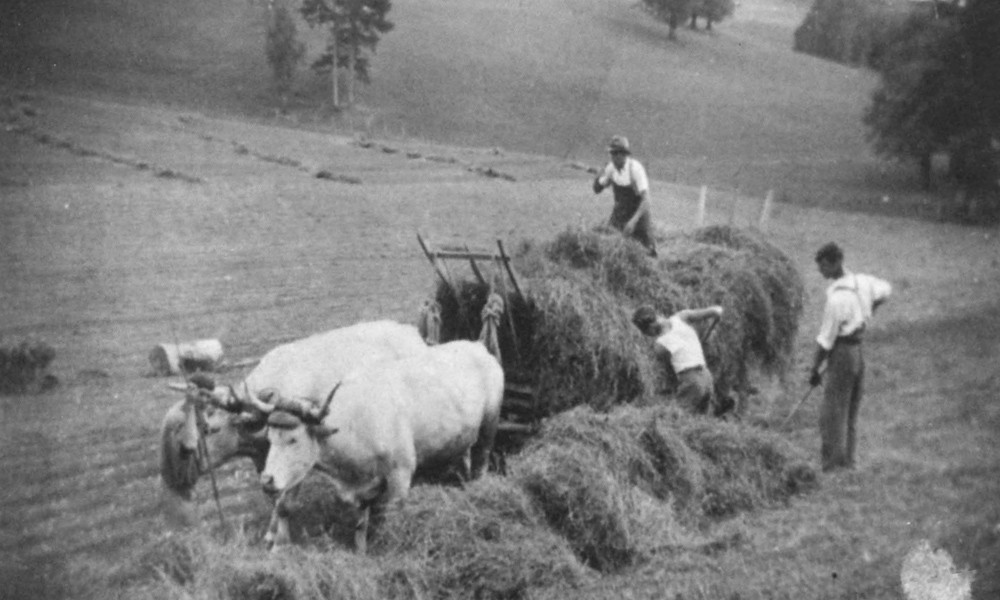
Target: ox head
[(295, 431), (211, 426)]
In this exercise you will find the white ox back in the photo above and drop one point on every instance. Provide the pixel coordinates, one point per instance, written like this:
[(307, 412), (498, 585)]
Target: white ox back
[(394, 416), (312, 366), (305, 368)]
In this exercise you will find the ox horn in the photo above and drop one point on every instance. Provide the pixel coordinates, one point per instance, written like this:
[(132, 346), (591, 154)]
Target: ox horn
[(256, 403), (326, 405)]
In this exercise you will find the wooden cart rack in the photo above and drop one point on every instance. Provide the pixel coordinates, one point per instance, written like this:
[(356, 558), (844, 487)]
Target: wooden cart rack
[(520, 411)]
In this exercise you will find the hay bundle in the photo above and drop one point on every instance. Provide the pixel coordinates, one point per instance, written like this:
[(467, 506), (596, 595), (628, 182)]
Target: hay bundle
[(24, 366), (680, 468), (777, 274), (617, 436), (708, 468), (582, 499), (486, 541)]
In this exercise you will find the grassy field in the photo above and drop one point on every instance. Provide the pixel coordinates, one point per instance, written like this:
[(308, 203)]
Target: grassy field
[(146, 196)]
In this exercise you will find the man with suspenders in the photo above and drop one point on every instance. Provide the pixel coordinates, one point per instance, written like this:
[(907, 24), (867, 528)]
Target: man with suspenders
[(851, 299), (627, 178)]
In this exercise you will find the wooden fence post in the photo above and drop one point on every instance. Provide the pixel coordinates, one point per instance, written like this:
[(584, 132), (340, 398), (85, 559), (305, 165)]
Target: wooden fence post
[(765, 211), (702, 199)]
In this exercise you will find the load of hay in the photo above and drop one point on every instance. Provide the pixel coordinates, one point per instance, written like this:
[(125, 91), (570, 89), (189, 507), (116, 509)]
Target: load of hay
[(571, 335)]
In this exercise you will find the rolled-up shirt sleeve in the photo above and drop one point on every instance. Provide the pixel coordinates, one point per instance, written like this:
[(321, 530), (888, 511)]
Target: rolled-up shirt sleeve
[(881, 289)]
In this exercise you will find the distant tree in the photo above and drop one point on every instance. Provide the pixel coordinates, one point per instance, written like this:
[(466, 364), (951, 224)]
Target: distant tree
[(713, 11), (284, 50), (938, 93), (673, 12), (921, 91), (981, 25), (355, 27)]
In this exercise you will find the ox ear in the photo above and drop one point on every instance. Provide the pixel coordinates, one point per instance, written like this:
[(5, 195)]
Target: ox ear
[(324, 431)]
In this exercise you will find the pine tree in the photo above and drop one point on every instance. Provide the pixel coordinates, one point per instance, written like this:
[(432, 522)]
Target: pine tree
[(355, 27)]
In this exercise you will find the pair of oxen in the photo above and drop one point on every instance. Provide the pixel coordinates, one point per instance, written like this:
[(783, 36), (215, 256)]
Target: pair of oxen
[(366, 406)]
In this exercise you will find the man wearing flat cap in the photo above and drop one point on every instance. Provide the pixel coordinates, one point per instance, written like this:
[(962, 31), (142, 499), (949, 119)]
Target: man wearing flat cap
[(627, 178)]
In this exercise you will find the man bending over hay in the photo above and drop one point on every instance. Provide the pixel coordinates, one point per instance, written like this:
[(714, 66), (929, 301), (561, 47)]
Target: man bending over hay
[(677, 343)]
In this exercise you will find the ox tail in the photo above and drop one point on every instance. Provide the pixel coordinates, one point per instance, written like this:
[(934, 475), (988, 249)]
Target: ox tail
[(178, 465)]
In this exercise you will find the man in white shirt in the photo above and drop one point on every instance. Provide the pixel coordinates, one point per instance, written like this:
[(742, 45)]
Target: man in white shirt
[(678, 344), (851, 299), (627, 178)]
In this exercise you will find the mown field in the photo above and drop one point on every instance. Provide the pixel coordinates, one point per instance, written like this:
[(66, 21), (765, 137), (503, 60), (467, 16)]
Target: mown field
[(125, 227), (147, 196)]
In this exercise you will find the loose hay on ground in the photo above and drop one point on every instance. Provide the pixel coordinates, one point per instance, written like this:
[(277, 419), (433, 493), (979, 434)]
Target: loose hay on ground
[(746, 468), (195, 565), (484, 541)]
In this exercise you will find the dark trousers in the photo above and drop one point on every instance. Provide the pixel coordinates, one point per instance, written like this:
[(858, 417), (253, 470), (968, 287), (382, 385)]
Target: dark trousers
[(845, 372), (626, 203), (695, 390)]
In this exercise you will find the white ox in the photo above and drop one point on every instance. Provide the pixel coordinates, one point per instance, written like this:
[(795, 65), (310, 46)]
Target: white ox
[(386, 420), (223, 423)]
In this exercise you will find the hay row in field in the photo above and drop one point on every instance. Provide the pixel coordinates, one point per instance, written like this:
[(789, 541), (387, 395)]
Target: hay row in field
[(594, 493), (572, 334)]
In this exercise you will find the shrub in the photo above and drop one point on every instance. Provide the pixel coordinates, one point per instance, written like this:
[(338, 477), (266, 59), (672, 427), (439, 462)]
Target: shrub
[(24, 367)]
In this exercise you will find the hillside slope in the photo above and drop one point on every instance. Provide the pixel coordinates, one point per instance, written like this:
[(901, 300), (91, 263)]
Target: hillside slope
[(125, 226), (732, 108)]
